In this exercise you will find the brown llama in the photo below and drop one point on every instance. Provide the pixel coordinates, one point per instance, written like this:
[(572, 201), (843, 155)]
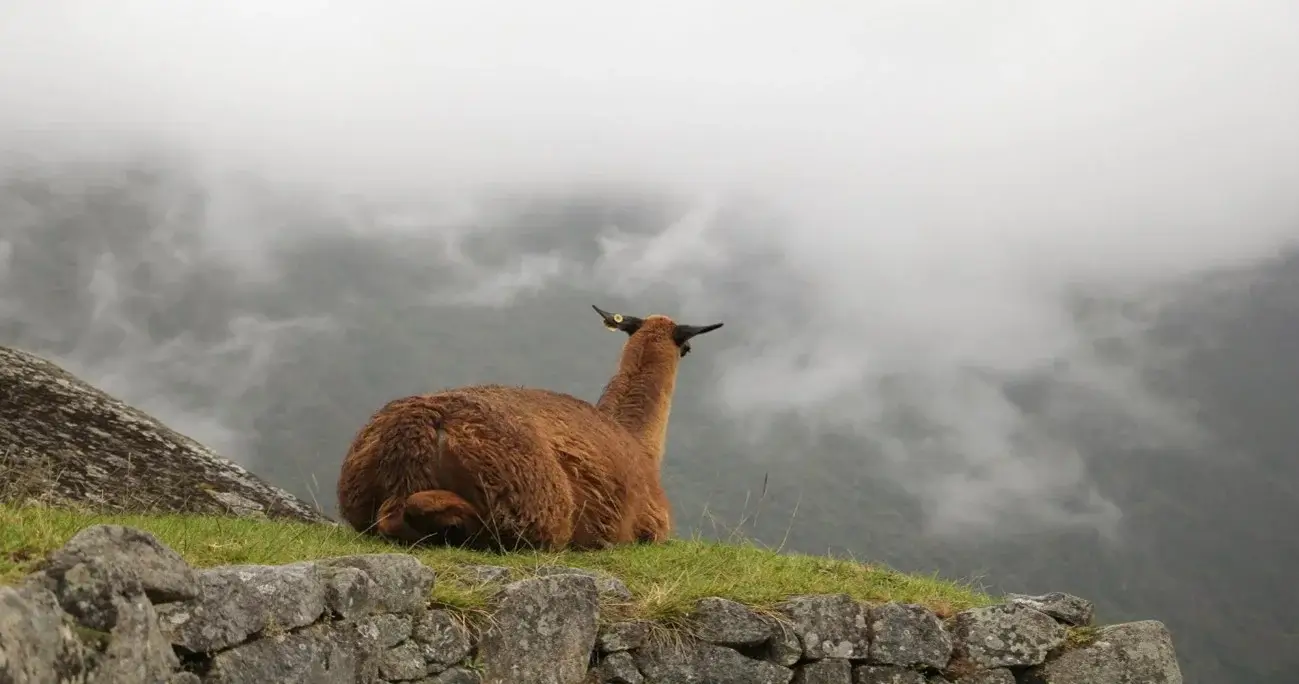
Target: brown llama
[(499, 468)]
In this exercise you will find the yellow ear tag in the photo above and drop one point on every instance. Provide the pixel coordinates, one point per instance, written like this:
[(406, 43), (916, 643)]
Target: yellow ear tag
[(617, 318)]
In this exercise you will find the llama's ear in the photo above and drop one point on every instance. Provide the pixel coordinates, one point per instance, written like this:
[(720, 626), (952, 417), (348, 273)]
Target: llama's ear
[(682, 333), (615, 322)]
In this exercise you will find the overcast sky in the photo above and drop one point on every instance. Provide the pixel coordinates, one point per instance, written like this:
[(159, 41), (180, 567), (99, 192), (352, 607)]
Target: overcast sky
[(943, 171)]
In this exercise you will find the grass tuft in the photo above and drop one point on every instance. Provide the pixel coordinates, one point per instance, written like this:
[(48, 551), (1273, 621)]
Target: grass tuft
[(665, 579), (1081, 637)]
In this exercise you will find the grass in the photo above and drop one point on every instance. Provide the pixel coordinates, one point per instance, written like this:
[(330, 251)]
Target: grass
[(664, 579), (1081, 637)]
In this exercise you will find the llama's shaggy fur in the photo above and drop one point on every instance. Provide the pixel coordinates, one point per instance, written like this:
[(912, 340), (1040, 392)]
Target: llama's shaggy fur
[(498, 467)]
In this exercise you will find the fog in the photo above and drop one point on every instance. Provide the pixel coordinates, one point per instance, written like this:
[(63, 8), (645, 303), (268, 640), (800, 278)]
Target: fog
[(939, 181)]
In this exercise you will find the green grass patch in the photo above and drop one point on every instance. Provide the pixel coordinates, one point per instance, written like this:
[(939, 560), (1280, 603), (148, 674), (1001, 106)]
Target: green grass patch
[(665, 579), (1081, 637)]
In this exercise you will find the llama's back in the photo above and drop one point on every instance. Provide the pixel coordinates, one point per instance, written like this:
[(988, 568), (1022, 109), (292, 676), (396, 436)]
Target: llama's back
[(566, 420), (495, 446), (611, 475)]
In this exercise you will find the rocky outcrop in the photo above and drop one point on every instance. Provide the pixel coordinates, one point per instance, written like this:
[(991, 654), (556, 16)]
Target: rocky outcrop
[(66, 443), (115, 605)]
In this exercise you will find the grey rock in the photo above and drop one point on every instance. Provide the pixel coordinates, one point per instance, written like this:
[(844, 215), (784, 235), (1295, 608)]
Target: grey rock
[(135, 555), (401, 583), (829, 626), (135, 650), (886, 674), (386, 629), (488, 574), (727, 623), (1066, 608), (113, 616), (543, 631), (456, 675), (38, 643), (997, 676), (618, 668), (785, 648), (349, 592), (323, 654), (829, 671), (406, 662), (610, 587), (698, 662), (69, 444), (908, 635), (622, 636), (1006, 635), (118, 641), (88, 591), (184, 678), (238, 601), (1129, 653), (443, 638)]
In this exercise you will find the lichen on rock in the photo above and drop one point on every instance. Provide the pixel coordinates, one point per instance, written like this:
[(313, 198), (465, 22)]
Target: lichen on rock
[(543, 630), (1006, 635)]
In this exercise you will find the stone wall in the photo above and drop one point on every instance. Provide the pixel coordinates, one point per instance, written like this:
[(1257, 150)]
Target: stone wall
[(115, 605)]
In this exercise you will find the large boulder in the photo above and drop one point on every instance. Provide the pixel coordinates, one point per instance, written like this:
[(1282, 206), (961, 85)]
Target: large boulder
[(1129, 653), (68, 444)]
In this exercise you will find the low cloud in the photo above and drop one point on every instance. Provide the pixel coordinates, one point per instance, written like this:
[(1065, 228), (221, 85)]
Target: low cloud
[(892, 205)]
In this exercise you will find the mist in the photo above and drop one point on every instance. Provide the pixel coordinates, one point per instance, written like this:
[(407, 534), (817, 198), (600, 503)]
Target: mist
[(930, 189)]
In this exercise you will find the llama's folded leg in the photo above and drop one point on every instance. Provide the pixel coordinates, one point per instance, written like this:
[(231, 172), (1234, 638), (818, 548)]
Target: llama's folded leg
[(391, 522), (442, 517), (653, 529)]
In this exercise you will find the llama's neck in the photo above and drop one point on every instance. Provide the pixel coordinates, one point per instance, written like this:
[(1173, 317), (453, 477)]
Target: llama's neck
[(639, 396)]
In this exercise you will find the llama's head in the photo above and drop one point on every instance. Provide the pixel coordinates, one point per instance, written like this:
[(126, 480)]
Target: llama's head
[(656, 330)]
